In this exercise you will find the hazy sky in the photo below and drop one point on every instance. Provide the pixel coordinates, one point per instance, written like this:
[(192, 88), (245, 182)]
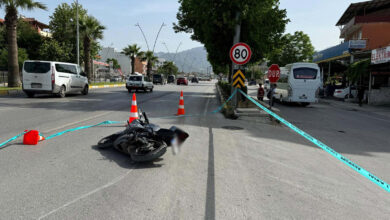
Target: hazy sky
[(317, 18)]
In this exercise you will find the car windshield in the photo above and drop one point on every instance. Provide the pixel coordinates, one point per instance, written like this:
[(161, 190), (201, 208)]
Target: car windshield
[(135, 78), (305, 73), (157, 76), (36, 67)]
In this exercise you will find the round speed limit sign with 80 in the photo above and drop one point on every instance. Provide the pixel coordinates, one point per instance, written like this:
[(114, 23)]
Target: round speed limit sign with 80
[(240, 53)]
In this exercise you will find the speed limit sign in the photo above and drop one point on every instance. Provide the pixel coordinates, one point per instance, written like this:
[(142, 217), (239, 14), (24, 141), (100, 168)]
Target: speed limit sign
[(240, 53)]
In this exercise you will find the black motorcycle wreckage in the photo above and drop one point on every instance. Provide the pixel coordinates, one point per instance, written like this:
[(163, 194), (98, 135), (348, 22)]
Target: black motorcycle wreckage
[(143, 141)]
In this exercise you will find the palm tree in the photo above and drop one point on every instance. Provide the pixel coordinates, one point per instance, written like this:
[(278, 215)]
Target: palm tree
[(150, 58), (132, 51), (90, 31), (11, 20)]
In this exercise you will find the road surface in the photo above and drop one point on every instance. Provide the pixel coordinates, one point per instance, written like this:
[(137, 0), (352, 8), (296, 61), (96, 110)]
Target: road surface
[(259, 170)]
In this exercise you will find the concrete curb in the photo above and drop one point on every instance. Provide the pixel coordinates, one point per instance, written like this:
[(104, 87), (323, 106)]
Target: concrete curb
[(107, 86), (19, 91)]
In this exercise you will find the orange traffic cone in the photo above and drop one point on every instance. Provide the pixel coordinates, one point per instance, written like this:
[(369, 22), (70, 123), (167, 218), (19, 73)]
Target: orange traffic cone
[(181, 110), (133, 110), (41, 138)]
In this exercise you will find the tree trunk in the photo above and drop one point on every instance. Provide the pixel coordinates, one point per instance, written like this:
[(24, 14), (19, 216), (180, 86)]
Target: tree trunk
[(11, 20), (87, 58), (230, 73), (149, 69), (132, 65)]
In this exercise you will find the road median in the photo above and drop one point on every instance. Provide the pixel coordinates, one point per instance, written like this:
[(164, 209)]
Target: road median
[(18, 91)]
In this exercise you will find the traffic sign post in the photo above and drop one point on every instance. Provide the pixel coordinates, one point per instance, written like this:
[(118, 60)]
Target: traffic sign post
[(240, 53), (273, 73), (239, 79)]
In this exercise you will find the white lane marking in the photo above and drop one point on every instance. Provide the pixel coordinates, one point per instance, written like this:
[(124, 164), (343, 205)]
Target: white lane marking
[(116, 180), (77, 122)]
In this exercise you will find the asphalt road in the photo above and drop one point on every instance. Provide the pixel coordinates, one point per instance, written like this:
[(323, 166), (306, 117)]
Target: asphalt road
[(262, 171)]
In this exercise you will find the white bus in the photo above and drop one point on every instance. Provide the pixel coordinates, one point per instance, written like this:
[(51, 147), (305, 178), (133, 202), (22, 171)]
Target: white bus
[(299, 82)]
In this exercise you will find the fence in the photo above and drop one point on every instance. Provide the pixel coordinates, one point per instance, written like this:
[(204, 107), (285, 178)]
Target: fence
[(3, 78)]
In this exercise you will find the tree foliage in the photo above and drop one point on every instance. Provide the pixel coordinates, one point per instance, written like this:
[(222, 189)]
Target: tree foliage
[(149, 57), (168, 68), (63, 27), (22, 56), (11, 8), (358, 70), (132, 51), (292, 48), (212, 23), (54, 51), (29, 39), (114, 62)]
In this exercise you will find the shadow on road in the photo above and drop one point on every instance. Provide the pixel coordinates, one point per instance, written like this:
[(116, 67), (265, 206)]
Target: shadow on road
[(124, 160)]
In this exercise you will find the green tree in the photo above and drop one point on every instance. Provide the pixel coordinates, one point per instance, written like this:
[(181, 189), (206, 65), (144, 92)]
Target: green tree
[(11, 21), (358, 70), (168, 68), (132, 51), (292, 48), (54, 51), (63, 27), (90, 31), (115, 63), (213, 24), (149, 57), (22, 56), (29, 39)]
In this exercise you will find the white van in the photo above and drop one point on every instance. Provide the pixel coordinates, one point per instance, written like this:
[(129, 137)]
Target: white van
[(53, 78), (299, 82)]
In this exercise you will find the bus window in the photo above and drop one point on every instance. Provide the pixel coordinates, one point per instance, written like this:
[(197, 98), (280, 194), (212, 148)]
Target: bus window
[(305, 73)]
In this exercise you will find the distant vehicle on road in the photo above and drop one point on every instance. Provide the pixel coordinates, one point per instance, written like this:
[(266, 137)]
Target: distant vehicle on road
[(171, 79), (48, 77), (159, 79), (300, 82), (139, 82), (194, 80), (182, 81), (343, 93)]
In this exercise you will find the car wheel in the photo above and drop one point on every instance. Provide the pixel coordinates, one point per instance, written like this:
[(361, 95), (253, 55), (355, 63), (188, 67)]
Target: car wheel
[(85, 90), (62, 91), (30, 94), (151, 89)]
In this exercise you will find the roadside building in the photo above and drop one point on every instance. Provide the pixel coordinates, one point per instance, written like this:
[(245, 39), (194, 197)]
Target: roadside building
[(41, 28), (123, 60), (379, 86), (159, 63), (140, 66), (364, 27)]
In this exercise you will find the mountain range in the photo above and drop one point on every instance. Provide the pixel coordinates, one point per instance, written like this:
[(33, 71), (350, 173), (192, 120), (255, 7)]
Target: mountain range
[(192, 60)]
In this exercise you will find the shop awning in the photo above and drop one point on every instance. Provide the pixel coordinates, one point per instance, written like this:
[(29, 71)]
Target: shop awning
[(333, 53)]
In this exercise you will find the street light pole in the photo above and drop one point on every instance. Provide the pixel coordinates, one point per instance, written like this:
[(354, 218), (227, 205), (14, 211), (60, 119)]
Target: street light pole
[(143, 34), (155, 41), (78, 32)]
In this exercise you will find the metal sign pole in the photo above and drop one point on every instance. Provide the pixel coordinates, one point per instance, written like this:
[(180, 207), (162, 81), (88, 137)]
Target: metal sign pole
[(236, 39)]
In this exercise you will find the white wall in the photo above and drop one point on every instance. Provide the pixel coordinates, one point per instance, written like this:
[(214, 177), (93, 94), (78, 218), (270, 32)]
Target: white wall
[(123, 60)]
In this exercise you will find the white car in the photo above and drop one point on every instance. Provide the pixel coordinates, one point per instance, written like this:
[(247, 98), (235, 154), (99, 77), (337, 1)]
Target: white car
[(48, 77), (344, 93), (139, 82)]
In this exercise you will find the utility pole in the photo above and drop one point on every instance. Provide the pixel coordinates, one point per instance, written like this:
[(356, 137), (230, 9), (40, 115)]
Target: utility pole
[(78, 32), (236, 39)]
